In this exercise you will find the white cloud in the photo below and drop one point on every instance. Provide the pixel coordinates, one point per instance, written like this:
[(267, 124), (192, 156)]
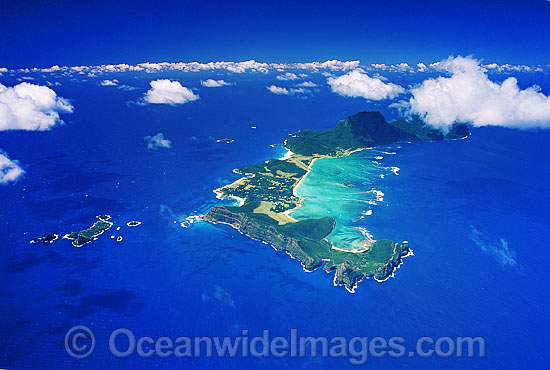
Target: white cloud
[(300, 90), (115, 83), (287, 77), (469, 96), (10, 170), (278, 90), (307, 84), (30, 107), (233, 67), (358, 84), (214, 83), (403, 67), (109, 82), (421, 67), (169, 92), (158, 141), (333, 65), (380, 66), (256, 67)]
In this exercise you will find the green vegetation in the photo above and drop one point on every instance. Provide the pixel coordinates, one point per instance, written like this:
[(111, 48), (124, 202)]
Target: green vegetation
[(366, 130), (269, 186), (362, 130), (267, 194), (82, 237), (305, 241)]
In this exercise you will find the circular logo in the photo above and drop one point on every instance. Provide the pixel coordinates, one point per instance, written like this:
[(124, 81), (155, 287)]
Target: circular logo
[(79, 342)]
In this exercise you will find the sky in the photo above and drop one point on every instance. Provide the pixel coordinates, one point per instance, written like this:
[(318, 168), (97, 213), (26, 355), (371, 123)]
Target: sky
[(45, 33)]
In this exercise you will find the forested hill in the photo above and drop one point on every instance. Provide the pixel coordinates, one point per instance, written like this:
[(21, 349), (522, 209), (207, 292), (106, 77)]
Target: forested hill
[(367, 129)]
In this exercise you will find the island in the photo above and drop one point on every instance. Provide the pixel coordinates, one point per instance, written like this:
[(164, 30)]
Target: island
[(225, 140), (266, 195), (133, 223), (46, 238), (79, 238)]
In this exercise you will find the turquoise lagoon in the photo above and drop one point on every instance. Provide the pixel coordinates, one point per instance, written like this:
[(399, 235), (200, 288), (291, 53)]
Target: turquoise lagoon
[(345, 188)]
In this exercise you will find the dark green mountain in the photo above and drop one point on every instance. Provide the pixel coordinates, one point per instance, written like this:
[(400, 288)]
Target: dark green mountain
[(367, 129)]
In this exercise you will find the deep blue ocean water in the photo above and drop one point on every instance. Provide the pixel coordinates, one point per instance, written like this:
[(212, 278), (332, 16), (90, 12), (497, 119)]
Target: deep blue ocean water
[(474, 211)]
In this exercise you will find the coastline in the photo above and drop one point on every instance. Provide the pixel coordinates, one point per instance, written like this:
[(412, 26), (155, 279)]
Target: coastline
[(287, 155), (342, 275), (410, 253), (368, 238), (219, 194), (310, 167), (350, 288), (346, 250), (392, 275), (262, 241)]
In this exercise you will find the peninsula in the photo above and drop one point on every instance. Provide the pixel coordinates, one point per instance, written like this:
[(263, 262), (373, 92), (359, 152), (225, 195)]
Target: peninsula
[(267, 195)]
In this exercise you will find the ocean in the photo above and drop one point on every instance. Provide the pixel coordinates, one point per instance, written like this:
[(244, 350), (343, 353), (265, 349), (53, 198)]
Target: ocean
[(474, 212)]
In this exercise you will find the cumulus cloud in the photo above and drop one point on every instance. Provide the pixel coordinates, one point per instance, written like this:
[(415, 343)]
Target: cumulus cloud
[(468, 95), (252, 66), (10, 170), (421, 67), (157, 141), (307, 84), (277, 90), (116, 83), (214, 83), (233, 67), (287, 77), (358, 84), (300, 90), (169, 92), (109, 82), (30, 107)]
